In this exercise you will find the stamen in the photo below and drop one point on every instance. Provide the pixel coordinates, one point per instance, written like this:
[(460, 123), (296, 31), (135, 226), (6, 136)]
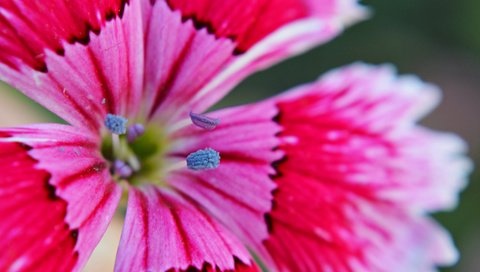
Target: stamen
[(204, 121), (116, 145), (134, 162), (134, 132), (116, 124), (203, 159), (179, 165), (122, 169)]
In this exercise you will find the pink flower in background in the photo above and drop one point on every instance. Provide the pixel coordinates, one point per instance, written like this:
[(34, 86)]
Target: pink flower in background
[(332, 176)]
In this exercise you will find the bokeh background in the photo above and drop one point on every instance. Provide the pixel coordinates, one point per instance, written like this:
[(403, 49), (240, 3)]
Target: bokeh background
[(439, 40)]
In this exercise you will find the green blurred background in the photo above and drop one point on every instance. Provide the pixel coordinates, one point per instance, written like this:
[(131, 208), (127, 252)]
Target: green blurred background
[(439, 40)]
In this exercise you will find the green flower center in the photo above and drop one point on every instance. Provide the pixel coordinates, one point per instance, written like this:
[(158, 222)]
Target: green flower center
[(145, 156), (138, 154)]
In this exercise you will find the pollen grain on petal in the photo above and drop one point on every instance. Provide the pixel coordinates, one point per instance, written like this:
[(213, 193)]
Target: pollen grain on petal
[(204, 121), (116, 124), (203, 159)]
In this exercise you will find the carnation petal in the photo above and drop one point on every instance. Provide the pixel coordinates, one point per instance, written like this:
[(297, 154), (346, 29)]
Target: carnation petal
[(156, 59), (285, 28), (365, 120), (86, 82), (359, 175), (165, 232), (57, 198), (354, 174), (30, 28), (180, 60), (231, 42), (250, 21), (239, 192)]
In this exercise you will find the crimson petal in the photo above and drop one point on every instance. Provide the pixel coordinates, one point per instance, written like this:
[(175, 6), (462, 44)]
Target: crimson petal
[(239, 192), (87, 82), (31, 27), (151, 51), (57, 198), (354, 175), (250, 21), (166, 232), (359, 175)]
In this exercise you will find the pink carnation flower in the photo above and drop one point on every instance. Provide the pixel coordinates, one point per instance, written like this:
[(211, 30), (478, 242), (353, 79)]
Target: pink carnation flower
[(333, 176)]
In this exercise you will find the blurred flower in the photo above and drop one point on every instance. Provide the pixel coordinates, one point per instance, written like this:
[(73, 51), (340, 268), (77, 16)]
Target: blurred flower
[(332, 176)]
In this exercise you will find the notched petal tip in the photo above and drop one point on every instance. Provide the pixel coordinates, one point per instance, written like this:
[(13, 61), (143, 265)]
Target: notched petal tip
[(203, 159), (116, 124)]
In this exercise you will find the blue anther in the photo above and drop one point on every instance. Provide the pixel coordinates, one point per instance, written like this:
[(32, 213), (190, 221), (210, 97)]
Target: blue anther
[(204, 121), (134, 132), (122, 169), (116, 124), (203, 159)]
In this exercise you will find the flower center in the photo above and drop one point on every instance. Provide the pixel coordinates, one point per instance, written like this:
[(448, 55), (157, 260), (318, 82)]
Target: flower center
[(138, 153)]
